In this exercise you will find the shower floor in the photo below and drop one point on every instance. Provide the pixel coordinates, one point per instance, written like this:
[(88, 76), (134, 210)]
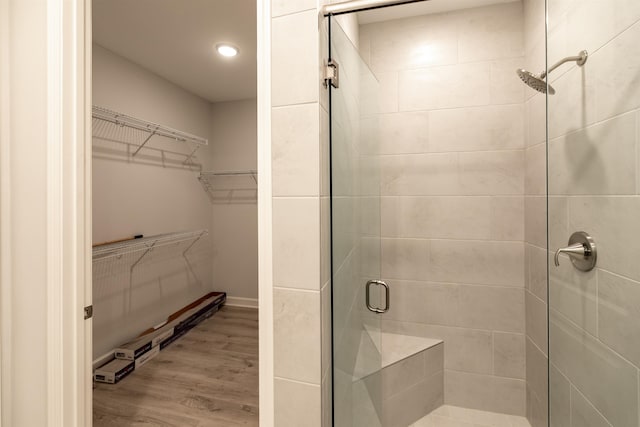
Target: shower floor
[(453, 416)]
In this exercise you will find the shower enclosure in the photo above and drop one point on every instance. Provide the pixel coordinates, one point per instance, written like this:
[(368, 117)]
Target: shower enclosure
[(484, 231)]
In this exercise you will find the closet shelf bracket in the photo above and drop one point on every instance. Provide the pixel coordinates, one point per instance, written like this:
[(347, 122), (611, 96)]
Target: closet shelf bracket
[(149, 249), (144, 142), (184, 253)]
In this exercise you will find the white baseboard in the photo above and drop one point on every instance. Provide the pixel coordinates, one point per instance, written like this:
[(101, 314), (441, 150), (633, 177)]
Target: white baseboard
[(242, 302)]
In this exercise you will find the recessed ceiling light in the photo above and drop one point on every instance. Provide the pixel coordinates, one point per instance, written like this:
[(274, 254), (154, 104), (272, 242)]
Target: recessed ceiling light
[(227, 50)]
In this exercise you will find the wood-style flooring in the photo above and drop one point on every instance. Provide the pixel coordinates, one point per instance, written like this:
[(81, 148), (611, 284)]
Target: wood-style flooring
[(208, 377)]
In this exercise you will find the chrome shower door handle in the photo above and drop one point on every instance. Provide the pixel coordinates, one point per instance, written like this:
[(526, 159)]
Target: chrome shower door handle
[(581, 250), (368, 296)]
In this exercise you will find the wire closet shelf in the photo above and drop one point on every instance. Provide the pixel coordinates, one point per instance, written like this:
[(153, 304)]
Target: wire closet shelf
[(152, 129), (228, 181), (146, 244)]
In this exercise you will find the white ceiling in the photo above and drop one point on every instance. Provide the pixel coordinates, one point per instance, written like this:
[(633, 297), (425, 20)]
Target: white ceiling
[(422, 8), (176, 39)]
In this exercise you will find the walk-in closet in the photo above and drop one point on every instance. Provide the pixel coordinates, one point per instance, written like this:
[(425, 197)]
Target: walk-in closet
[(175, 262)]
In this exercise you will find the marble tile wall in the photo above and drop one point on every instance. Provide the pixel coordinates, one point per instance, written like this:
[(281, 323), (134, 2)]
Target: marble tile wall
[(452, 152), (593, 123), (300, 217)]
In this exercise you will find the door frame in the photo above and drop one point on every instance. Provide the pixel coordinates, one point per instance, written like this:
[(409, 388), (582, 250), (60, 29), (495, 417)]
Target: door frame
[(55, 35), (69, 214), (265, 239)]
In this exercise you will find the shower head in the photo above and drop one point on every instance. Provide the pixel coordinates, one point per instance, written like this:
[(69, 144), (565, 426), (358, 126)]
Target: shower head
[(538, 83), (535, 82)]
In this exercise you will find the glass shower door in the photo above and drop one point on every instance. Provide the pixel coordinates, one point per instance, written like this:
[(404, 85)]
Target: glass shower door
[(594, 313), (355, 239)]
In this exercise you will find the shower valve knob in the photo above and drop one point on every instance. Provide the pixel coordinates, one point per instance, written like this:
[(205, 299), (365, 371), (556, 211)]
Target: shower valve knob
[(581, 251), (577, 250)]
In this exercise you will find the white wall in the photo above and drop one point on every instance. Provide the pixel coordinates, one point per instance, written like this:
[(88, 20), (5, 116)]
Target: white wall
[(133, 196), (150, 194), (235, 227)]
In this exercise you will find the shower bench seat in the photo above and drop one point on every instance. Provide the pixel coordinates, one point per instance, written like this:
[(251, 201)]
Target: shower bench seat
[(412, 374)]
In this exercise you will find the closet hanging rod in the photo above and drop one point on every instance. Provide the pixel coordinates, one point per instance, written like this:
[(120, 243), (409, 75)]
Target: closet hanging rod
[(146, 244), (120, 119)]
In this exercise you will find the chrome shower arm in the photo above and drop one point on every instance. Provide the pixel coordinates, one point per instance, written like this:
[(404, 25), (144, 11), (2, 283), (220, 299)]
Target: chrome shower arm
[(580, 59)]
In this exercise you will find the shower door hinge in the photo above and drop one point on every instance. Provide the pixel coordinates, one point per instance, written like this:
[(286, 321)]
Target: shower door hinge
[(88, 312), (332, 74)]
